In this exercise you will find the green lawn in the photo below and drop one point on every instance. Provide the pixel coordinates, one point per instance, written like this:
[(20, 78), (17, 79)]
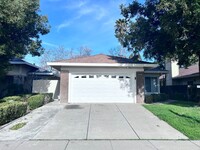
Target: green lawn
[(183, 116)]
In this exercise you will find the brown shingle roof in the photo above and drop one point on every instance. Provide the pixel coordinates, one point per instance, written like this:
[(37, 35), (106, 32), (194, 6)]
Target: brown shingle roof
[(101, 58), (193, 69)]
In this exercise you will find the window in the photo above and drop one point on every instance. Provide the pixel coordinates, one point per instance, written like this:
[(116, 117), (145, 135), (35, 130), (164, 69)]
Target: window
[(113, 76), (91, 76), (106, 76), (98, 76), (151, 84), (83, 77), (121, 77)]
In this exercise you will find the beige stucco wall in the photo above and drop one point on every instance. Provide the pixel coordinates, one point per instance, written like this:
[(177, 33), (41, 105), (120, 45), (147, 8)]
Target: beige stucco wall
[(46, 86), (173, 71)]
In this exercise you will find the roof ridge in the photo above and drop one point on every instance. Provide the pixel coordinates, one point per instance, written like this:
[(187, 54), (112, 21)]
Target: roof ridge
[(80, 57)]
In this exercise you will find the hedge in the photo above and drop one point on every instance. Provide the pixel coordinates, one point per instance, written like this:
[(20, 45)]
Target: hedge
[(11, 110), (13, 107), (155, 98), (35, 101), (11, 98)]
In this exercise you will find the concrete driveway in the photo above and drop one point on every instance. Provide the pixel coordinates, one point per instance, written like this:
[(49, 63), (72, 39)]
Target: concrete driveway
[(93, 126), (106, 121)]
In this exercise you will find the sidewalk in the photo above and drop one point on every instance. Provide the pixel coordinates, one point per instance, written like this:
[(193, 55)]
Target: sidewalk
[(100, 145)]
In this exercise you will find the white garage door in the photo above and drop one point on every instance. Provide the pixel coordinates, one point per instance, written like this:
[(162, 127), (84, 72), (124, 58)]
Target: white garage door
[(101, 88)]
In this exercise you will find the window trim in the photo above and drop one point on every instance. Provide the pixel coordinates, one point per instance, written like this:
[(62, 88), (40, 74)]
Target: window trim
[(158, 84)]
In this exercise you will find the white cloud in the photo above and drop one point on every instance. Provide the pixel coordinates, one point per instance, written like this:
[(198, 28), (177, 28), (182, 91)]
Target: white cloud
[(96, 11), (76, 4), (85, 11), (100, 13), (64, 25), (49, 44)]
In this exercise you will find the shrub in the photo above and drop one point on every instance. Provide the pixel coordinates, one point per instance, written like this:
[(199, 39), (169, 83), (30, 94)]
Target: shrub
[(11, 110), (48, 97), (159, 97), (35, 101), (12, 98), (148, 99), (156, 98), (24, 97)]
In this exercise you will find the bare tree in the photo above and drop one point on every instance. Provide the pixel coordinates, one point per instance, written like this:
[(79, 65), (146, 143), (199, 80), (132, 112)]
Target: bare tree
[(84, 51), (61, 53), (119, 51)]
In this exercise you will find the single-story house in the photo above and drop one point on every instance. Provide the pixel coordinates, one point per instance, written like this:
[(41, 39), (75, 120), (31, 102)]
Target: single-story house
[(24, 77), (17, 79), (106, 79)]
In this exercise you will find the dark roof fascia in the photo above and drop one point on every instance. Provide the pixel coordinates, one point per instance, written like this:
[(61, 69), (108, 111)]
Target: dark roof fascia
[(187, 76), (23, 63), (44, 74), (155, 72)]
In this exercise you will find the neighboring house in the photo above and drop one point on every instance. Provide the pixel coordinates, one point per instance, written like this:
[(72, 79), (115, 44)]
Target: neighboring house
[(106, 79), (24, 77), (181, 76), (18, 74)]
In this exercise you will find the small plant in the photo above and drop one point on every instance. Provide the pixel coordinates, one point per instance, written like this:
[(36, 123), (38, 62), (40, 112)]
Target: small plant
[(18, 126)]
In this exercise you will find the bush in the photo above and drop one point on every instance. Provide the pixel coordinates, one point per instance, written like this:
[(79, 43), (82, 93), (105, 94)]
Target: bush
[(11, 98), (48, 97), (148, 99), (156, 98), (35, 101), (24, 97), (11, 110)]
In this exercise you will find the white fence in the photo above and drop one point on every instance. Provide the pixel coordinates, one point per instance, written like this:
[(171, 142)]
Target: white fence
[(47, 86)]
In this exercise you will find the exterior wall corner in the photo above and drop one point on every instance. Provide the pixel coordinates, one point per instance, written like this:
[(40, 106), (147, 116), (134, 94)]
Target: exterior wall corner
[(140, 96), (64, 82)]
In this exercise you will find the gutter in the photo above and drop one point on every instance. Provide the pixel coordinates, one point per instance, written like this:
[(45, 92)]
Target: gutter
[(63, 64)]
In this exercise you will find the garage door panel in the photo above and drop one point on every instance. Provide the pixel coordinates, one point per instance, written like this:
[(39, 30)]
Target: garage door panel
[(101, 89)]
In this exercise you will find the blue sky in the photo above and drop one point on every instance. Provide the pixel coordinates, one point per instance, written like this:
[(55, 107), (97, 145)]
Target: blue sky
[(76, 23)]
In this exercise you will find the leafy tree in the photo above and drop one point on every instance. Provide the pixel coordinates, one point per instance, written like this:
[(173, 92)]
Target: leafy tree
[(164, 29), (21, 26)]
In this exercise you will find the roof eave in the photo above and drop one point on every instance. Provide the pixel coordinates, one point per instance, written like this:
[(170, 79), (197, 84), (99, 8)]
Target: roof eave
[(160, 72), (62, 64), (23, 63)]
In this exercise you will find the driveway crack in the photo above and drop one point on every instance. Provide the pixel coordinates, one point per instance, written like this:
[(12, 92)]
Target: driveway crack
[(127, 121), (88, 125)]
